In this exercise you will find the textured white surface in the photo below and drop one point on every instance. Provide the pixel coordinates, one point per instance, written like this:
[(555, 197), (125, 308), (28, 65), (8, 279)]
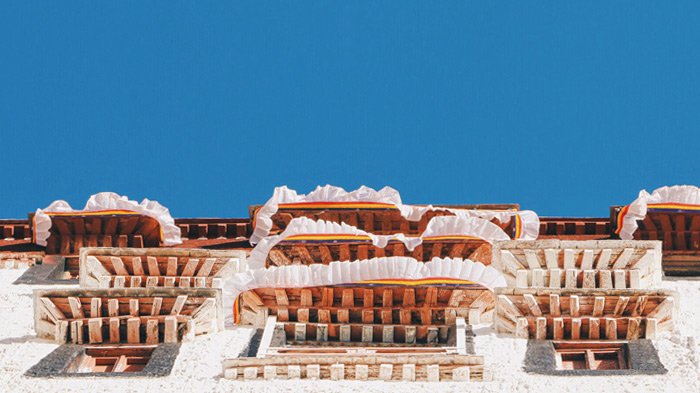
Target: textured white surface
[(198, 367)]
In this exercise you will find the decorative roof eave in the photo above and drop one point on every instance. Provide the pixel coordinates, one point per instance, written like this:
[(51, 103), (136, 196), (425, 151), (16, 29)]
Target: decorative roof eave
[(437, 227), (108, 202), (527, 220), (674, 198)]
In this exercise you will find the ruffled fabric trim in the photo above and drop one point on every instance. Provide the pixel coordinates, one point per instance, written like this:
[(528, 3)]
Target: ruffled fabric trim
[(336, 273), (675, 198), (463, 226), (527, 222), (106, 202), (306, 228)]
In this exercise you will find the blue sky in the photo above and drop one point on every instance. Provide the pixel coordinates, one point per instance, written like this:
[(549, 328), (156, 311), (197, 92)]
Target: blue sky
[(207, 106)]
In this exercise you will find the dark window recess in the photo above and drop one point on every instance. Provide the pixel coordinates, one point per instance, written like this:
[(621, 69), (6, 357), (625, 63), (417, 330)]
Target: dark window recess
[(119, 361), (590, 356), (599, 358), (111, 360)]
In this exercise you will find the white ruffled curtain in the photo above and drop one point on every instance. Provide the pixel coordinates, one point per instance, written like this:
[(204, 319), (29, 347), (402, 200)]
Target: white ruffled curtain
[(294, 276), (263, 220), (438, 226)]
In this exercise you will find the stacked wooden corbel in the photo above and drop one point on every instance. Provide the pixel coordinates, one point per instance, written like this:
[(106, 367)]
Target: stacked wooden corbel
[(582, 290), (128, 295), (411, 329), (138, 296), (329, 310)]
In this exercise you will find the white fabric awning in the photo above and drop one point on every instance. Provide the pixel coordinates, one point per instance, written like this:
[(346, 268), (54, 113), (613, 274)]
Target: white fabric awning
[(336, 273), (437, 227), (528, 223)]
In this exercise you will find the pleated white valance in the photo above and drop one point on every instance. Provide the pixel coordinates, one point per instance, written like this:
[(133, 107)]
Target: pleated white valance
[(336, 273), (527, 222), (437, 227)]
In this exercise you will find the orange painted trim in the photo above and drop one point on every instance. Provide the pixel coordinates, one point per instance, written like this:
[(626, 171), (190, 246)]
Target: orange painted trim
[(451, 237), (94, 213), (422, 281), (237, 310), (518, 226), (621, 218), (673, 206), (329, 237)]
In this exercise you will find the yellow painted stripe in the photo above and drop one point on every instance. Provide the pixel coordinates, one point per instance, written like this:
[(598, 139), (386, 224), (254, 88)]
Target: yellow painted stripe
[(336, 205), (93, 213), (327, 237), (364, 237), (518, 226), (679, 206), (452, 237), (237, 310), (621, 218), (424, 281)]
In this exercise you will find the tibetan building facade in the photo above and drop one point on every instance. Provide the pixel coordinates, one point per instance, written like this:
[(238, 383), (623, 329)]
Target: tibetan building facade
[(357, 285)]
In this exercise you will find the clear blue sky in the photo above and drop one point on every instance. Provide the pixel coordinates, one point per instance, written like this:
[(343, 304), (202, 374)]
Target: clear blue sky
[(206, 106)]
